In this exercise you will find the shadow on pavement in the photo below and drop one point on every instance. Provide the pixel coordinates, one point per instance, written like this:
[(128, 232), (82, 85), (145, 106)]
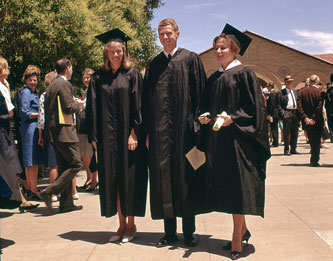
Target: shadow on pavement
[(5, 214), (307, 165), (5, 243), (206, 243)]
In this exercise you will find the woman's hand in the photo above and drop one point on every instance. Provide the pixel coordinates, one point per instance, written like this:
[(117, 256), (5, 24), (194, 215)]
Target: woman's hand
[(204, 119), (227, 120), (132, 141)]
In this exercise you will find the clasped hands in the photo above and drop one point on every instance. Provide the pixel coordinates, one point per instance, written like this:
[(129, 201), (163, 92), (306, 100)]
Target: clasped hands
[(309, 121), (205, 119)]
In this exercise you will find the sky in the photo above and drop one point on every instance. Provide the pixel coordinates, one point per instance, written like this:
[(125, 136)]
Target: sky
[(306, 25)]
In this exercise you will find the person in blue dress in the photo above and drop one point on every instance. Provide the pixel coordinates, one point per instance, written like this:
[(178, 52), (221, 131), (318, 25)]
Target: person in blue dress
[(32, 152)]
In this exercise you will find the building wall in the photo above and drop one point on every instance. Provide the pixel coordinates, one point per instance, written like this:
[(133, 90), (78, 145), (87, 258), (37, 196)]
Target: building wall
[(272, 62)]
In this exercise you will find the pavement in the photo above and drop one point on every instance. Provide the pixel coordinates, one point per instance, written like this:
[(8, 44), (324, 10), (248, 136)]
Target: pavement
[(298, 223)]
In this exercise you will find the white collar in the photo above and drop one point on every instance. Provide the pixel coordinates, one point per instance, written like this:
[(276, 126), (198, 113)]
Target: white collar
[(62, 76), (233, 64), (172, 53), (316, 86)]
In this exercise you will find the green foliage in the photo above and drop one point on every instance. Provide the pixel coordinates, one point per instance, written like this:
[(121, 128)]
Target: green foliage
[(42, 31)]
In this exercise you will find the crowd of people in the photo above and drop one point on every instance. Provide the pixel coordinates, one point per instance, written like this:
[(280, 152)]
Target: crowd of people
[(126, 124), (308, 109)]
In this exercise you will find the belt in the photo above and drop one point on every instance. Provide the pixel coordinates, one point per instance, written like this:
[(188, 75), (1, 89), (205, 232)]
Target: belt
[(291, 109)]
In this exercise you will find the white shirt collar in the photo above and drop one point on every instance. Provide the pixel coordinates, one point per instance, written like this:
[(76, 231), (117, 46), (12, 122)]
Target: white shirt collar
[(172, 53), (233, 64), (62, 76)]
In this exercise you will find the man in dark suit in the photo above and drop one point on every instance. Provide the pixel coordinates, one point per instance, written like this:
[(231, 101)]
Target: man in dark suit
[(273, 113), (287, 105), (63, 136), (310, 106)]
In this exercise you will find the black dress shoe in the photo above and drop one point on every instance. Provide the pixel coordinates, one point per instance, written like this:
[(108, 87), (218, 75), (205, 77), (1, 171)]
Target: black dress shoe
[(191, 240), (167, 240), (287, 153), (23, 209), (46, 198), (294, 152), (70, 209), (315, 164)]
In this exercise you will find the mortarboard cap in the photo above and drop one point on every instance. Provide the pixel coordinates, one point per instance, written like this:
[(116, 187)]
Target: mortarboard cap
[(114, 34), (242, 40)]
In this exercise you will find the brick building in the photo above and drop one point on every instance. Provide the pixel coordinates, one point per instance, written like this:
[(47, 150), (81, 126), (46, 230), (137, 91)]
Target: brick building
[(272, 61)]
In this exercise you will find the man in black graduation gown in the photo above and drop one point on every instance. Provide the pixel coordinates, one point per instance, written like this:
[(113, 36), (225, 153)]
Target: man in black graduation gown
[(173, 84)]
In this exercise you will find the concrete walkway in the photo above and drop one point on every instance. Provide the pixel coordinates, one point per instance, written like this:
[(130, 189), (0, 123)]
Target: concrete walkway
[(298, 223)]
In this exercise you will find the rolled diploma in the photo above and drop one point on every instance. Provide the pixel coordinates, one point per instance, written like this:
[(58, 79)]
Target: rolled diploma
[(218, 123)]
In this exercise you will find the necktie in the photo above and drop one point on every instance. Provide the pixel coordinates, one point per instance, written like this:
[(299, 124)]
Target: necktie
[(169, 57), (293, 98)]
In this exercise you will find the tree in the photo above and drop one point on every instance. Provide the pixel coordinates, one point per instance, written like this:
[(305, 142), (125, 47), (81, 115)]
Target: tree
[(42, 31)]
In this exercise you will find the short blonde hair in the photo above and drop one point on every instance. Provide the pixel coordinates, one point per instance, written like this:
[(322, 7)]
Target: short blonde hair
[(234, 47), (4, 70), (31, 70), (126, 64), (49, 78), (168, 21)]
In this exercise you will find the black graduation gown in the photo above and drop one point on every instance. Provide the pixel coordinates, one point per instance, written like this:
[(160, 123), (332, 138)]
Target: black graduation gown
[(113, 109), (236, 154), (170, 100)]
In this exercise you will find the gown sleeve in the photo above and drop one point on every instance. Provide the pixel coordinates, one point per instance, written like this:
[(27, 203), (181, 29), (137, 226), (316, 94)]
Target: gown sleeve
[(91, 110), (135, 99), (250, 117)]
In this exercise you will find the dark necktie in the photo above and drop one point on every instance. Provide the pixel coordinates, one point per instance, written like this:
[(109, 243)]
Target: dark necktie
[(169, 57), (293, 98)]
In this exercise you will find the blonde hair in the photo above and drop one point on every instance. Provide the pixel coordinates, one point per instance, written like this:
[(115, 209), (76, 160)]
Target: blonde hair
[(49, 78), (4, 70), (31, 70), (168, 21), (233, 46), (126, 64)]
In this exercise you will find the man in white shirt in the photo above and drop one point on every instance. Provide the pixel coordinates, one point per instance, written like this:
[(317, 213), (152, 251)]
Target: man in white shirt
[(287, 105)]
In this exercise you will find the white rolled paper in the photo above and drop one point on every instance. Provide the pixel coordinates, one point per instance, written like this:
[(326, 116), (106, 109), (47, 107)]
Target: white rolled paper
[(218, 123)]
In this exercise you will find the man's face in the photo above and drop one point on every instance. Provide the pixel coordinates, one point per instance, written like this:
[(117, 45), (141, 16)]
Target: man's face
[(168, 37), (69, 72), (288, 84)]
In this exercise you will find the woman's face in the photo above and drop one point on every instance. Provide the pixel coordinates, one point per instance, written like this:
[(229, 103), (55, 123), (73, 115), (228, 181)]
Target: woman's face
[(86, 79), (223, 52), (32, 82), (115, 55), (5, 72)]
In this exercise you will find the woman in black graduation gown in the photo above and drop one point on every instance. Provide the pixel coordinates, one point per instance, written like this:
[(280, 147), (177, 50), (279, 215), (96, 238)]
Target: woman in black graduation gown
[(113, 117), (238, 151)]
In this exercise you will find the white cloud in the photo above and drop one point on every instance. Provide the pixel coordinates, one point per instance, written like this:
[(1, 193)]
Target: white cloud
[(198, 6), (320, 40), (288, 42), (311, 41)]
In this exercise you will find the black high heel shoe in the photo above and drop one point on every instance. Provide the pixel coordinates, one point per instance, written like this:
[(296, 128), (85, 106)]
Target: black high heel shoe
[(89, 189), (235, 255), (33, 196), (23, 209), (245, 237), (85, 186)]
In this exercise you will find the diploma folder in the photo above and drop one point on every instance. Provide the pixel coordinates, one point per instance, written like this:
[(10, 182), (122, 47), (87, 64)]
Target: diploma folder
[(64, 119), (196, 158)]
